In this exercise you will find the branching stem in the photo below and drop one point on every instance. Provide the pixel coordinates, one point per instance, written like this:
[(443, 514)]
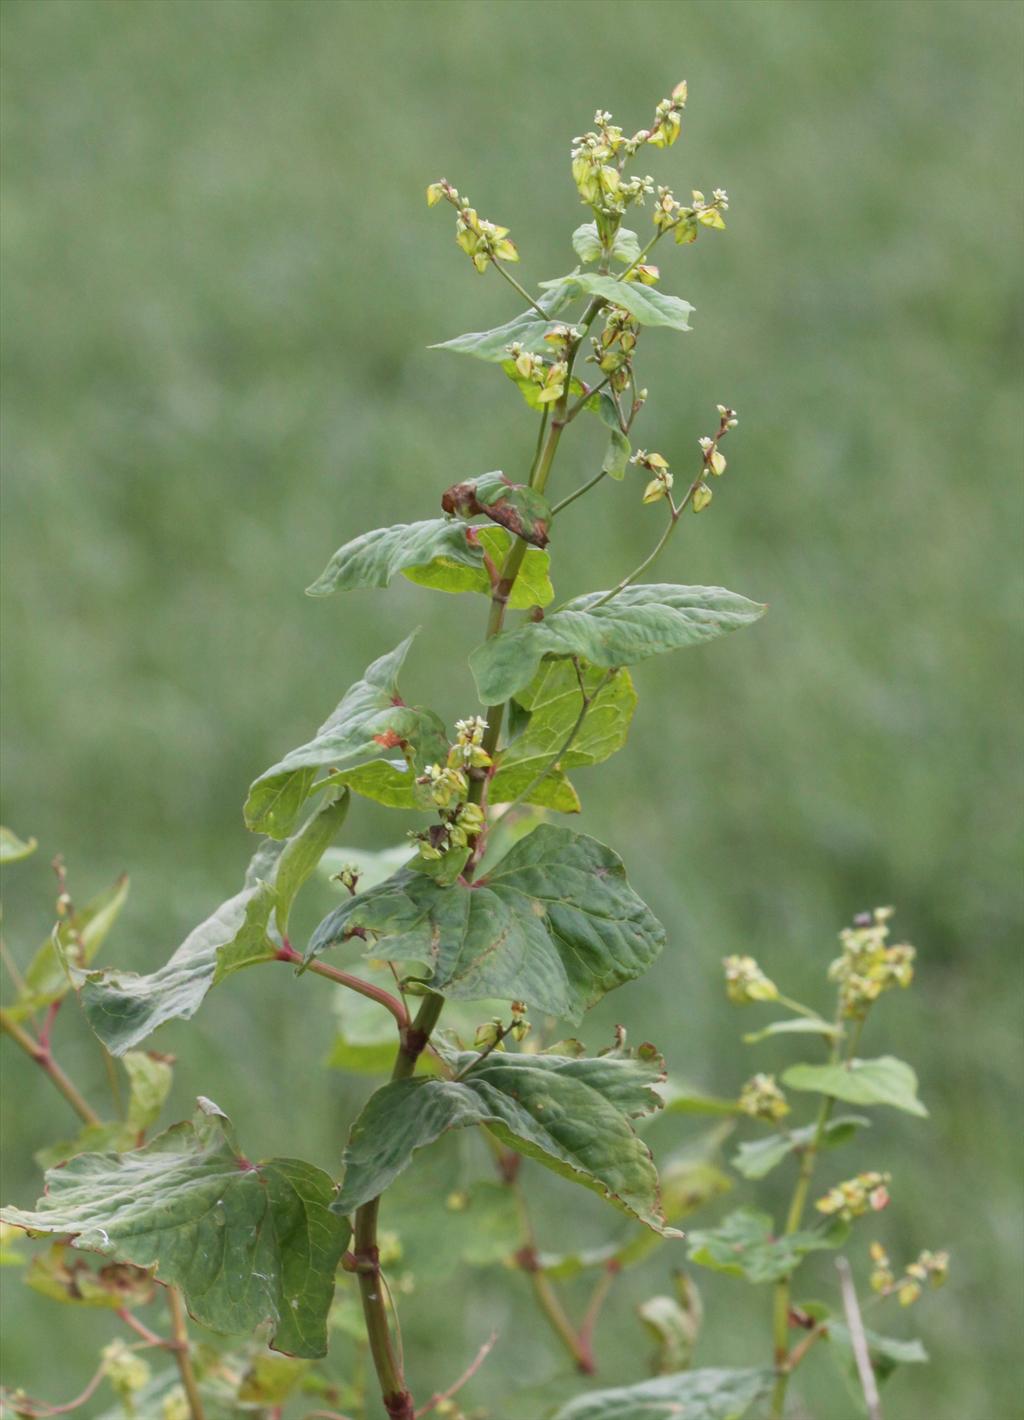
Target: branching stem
[(43, 1056)]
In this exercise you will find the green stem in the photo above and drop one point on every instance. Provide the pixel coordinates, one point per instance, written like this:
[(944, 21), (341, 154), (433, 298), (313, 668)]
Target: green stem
[(44, 1059), (584, 488), (781, 1296), (674, 515), (398, 1402), (182, 1354), (521, 289)]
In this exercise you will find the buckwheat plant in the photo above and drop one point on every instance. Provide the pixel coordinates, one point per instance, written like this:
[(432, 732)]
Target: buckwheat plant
[(460, 956)]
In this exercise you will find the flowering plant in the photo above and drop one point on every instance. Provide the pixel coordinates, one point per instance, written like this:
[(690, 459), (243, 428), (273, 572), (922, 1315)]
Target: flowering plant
[(489, 899)]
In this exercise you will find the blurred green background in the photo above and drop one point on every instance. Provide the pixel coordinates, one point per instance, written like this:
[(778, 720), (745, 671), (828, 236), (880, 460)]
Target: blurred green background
[(221, 280)]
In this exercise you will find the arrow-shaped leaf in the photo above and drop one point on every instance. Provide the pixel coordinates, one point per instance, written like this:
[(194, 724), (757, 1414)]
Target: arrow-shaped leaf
[(371, 722), (554, 924), (644, 303), (373, 558), (247, 1243), (641, 621), (746, 1245)]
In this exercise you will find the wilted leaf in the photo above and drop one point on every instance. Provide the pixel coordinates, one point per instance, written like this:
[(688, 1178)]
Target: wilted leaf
[(516, 507)]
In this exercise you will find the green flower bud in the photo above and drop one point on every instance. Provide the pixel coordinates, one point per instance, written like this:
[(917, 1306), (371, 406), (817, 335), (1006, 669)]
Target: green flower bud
[(746, 982)]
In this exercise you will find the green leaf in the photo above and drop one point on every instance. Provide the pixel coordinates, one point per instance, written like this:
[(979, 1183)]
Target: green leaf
[(123, 1008), (13, 848), (569, 1114), (710, 1394), (514, 506), (554, 924), (745, 1245), (644, 303), (681, 1100), (528, 329), (271, 1379), (553, 700), (757, 1157), (882, 1081), (372, 559), (301, 854), (370, 722), (796, 1025), (641, 621), (79, 937), (246, 1243), (616, 458), (888, 1348), (586, 243), (532, 586)]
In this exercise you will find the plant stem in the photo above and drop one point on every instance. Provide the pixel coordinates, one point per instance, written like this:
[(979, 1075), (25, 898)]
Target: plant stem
[(354, 983), (780, 1302), (43, 1057), (673, 519), (182, 1354), (398, 1401), (584, 488), (521, 289)]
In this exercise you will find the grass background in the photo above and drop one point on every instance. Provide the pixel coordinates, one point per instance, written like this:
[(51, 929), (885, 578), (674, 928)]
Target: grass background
[(221, 280)]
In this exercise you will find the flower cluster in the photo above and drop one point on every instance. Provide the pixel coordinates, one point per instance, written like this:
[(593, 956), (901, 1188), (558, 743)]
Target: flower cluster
[(931, 1267), (660, 484), (446, 787), (762, 1098), (865, 1193), (483, 241), (598, 157), (613, 349), (125, 1371), (713, 459), (671, 215), (746, 982), (868, 966), (549, 379)]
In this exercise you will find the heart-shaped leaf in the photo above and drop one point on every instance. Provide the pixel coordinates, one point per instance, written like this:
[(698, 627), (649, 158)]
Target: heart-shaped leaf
[(882, 1081), (570, 1114), (247, 1243), (554, 924)]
